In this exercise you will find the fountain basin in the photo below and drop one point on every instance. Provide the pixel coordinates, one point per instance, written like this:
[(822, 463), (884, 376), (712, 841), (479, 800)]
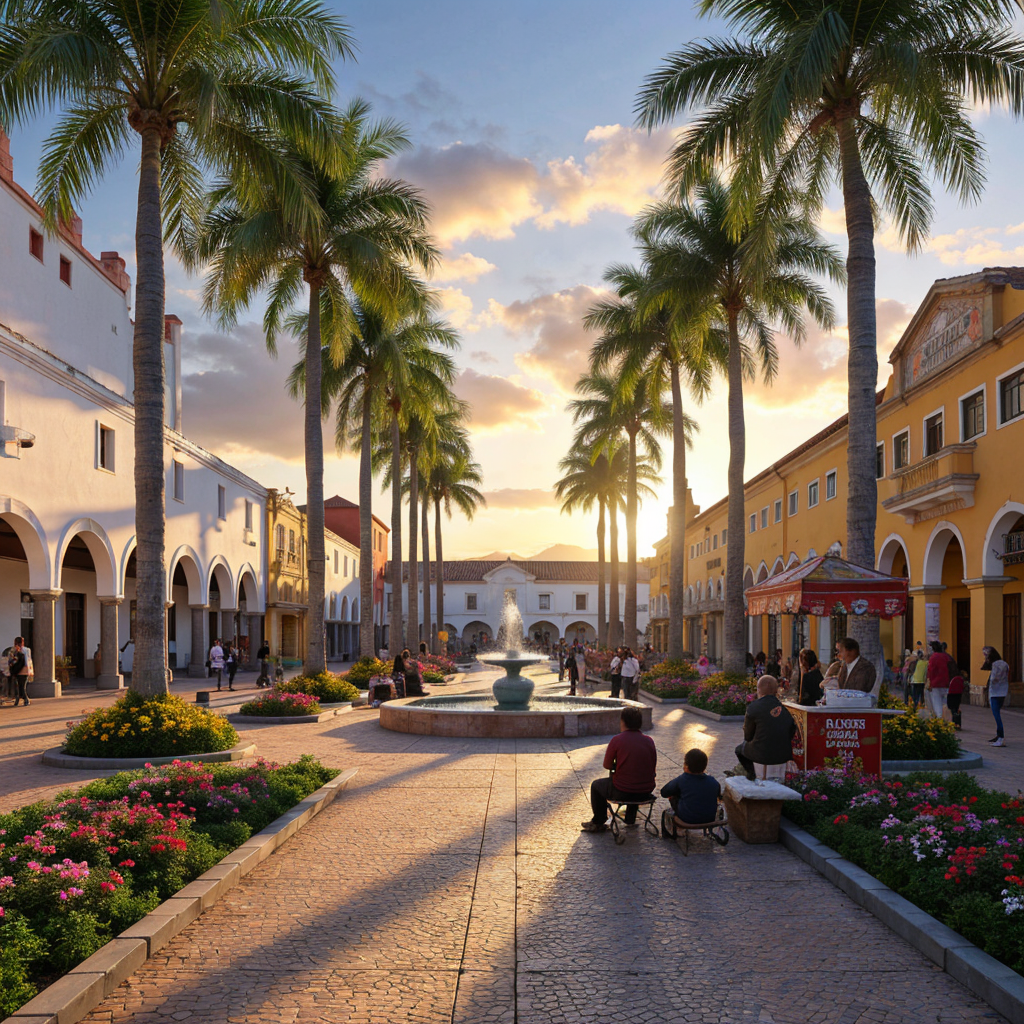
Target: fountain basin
[(545, 717)]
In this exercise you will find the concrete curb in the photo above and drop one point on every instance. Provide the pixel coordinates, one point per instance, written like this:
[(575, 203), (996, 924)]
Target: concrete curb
[(664, 700), (990, 980), (80, 991), (238, 718), (714, 715), (55, 758), (965, 762)]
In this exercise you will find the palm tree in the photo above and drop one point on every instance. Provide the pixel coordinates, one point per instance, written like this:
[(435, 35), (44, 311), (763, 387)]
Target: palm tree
[(869, 95), (603, 413), (651, 337), (202, 86), (454, 477), (747, 282), (368, 233)]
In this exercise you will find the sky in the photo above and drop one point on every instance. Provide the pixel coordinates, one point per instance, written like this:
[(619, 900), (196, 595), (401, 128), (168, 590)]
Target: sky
[(520, 118)]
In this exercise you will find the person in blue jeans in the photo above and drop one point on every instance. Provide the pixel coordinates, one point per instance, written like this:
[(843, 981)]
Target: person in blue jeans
[(998, 689), (693, 795)]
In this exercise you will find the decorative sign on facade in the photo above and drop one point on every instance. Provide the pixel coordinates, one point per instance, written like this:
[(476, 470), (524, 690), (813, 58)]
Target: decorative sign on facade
[(714, 563), (953, 328), (931, 621)]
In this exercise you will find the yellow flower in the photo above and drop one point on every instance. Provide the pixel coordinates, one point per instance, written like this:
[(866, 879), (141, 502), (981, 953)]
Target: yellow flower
[(104, 737)]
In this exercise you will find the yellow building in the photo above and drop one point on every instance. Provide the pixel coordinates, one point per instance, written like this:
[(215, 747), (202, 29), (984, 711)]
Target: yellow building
[(285, 628), (950, 488)]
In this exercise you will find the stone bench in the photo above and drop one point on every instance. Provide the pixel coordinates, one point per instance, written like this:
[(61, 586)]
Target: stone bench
[(754, 808)]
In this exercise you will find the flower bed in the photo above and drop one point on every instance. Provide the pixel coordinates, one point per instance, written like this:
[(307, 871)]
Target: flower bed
[(326, 687), (909, 737), (157, 726), (360, 674), (667, 687), (670, 669), (723, 693), (599, 663), (281, 705), (80, 868), (945, 843), (437, 663), (431, 676)]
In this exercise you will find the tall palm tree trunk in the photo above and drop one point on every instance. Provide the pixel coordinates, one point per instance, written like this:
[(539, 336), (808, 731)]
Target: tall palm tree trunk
[(677, 522), (316, 655), (602, 615), (629, 612), (735, 642), (367, 573), (439, 567), (862, 377), (615, 622), (397, 635), (149, 675), (413, 622), (428, 632)]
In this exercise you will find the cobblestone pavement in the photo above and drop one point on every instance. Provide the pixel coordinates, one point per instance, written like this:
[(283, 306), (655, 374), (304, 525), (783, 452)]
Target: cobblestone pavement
[(451, 883)]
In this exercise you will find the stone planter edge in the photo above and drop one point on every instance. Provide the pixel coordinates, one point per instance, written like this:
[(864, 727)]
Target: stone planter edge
[(238, 718), (714, 715), (81, 990), (990, 980), (965, 762), (664, 700), (56, 758)]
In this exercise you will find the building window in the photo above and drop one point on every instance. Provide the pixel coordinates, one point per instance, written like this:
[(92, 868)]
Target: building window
[(222, 502), (35, 244), (764, 518), (725, 537), (581, 602), (794, 503), (389, 603), (1010, 397), (355, 569), (248, 514), (279, 540), (831, 480), (105, 454), (471, 602), (714, 542), (933, 434), (65, 270), (545, 602), (336, 559), (972, 415), (901, 450), (812, 494), (880, 460), (778, 510), (291, 542), (753, 521), (346, 566), (179, 480), (691, 551)]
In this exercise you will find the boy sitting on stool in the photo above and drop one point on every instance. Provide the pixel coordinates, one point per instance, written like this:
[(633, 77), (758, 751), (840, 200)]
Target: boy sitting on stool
[(694, 795)]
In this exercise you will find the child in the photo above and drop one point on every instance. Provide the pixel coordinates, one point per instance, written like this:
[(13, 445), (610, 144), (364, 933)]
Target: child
[(954, 695), (694, 795)]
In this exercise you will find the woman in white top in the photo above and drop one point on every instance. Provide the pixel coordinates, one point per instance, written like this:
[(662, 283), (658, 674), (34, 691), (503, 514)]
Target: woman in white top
[(630, 675), (998, 689), (615, 671)]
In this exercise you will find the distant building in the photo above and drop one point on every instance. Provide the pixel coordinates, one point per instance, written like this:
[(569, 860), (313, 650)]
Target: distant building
[(556, 599)]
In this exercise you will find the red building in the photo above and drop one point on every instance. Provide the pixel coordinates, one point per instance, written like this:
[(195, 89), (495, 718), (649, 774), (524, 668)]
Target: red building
[(341, 516)]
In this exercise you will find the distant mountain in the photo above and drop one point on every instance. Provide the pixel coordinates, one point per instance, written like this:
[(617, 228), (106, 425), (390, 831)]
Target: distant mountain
[(555, 553)]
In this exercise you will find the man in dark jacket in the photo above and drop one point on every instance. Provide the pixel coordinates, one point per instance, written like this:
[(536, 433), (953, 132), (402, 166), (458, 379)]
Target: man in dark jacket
[(767, 729)]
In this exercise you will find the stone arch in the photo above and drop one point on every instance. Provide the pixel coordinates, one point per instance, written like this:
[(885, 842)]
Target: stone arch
[(476, 626), (748, 578), (689, 594), (343, 614), (891, 546), (778, 566), (762, 572), (582, 630), (711, 588), (355, 609), (835, 549), (30, 533), (700, 590), (811, 553), (122, 566), (1001, 523), (793, 559), (248, 586), (542, 626), (190, 564), (721, 589), (935, 552), (101, 550), (221, 571)]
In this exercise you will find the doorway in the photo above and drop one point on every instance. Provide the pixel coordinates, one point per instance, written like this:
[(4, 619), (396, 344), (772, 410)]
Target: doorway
[(74, 633), (962, 632), (1011, 635)]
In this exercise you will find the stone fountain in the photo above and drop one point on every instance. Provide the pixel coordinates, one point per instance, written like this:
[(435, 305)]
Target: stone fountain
[(512, 692)]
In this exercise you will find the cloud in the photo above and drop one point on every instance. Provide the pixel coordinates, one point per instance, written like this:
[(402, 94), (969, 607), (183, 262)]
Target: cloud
[(977, 247), (464, 267), (814, 375), (498, 403), (479, 190), (457, 308), (522, 498), (229, 383), (554, 322), (483, 357)]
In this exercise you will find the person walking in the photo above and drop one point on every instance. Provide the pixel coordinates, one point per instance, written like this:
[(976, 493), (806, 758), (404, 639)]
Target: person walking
[(998, 689), (954, 695), (217, 661), (262, 655), (581, 669), (630, 675), (615, 671), (938, 679), (232, 665), (19, 665), (561, 661), (574, 675), (919, 677)]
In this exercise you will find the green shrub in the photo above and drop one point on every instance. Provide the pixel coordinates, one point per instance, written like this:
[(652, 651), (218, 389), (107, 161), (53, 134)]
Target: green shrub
[(278, 704), (20, 949), (433, 677), (139, 726), (325, 686), (909, 737), (360, 674)]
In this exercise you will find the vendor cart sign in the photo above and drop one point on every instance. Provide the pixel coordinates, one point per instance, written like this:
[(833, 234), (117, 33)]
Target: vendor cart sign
[(823, 733)]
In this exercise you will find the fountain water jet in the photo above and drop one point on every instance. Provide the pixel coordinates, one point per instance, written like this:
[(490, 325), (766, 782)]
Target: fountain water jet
[(512, 692)]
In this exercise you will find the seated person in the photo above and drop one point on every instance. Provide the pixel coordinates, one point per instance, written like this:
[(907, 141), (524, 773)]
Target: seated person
[(768, 729), (632, 759), (694, 795)]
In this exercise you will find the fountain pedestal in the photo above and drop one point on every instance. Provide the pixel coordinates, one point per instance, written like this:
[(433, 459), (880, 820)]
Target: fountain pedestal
[(513, 693)]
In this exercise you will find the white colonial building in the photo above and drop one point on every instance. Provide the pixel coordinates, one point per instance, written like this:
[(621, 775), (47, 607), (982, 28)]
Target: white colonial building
[(67, 493), (557, 600)]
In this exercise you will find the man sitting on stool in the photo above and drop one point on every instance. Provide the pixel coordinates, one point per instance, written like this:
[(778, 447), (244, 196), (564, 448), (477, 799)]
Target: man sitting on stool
[(767, 729), (632, 758)]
